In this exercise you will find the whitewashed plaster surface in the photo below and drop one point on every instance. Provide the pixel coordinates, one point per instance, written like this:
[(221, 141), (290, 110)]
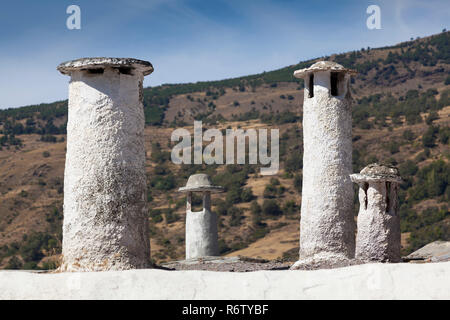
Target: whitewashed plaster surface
[(105, 218), (327, 225), (369, 281)]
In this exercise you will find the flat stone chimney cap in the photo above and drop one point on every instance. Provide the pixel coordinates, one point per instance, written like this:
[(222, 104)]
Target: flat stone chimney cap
[(377, 172), (323, 66), (95, 63), (200, 182)]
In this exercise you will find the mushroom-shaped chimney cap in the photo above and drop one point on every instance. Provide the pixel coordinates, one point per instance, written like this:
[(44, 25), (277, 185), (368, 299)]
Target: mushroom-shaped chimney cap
[(377, 172), (200, 182), (323, 66), (95, 63)]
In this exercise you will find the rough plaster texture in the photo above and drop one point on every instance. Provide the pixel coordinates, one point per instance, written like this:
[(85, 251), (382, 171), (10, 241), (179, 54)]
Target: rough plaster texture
[(105, 219), (327, 226), (323, 66), (378, 236), (434, 251), (368, 281), (141, 67), (201, 227)]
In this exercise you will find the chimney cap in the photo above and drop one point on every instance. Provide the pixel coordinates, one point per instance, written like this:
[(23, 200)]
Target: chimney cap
[(323, 66), (101, 62), (377, 172), (200, 182)]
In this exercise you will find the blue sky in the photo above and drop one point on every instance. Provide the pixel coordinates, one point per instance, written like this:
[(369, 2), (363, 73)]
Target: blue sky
[(192, 40)]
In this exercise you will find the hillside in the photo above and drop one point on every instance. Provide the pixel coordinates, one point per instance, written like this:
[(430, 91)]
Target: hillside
[(401, 115)]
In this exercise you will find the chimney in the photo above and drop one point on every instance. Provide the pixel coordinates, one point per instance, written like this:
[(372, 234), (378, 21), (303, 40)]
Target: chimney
[(327, 227), (378, 236), (201, 227), (105, 215)]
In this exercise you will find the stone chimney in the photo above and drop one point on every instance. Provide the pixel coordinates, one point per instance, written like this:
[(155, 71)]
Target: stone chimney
[(327, 227), (378, 235), (201, 227), (105, 215)]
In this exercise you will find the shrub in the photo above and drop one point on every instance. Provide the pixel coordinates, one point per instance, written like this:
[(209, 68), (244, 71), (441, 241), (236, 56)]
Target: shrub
[(409, 135), (270, 191), (236, 216), (444, 134), (294, 161), (421, 237), (247, 195), (34, 244), (14, 263), (393, 147), (408, 168), (433, 115), (163, 183), (447, 80), (429, 137), (271, 208), (432, 181), (221, 208), (290, 207), (171, 216), (255, 208)]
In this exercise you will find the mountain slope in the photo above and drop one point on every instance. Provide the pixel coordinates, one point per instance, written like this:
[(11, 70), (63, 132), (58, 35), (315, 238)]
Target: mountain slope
[(400, 115)]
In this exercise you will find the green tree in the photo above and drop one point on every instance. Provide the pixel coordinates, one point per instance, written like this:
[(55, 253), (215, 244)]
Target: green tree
[(271, 208)]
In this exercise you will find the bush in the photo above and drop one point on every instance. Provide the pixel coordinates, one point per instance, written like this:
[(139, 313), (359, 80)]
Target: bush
[(270, 191), (46, 154), (393, 147), (429, 137), (14, 263), (433, 115), (236, 216), (163, 183), (298, 180), (271, 208), (171, 216), (255, 208), (247, 195), (221, 208), (290, 207), (32, 249), (408, 168), (158, 155), (294, 161), (409, 135), (234, 194), (447, 80), (432, 181), (421, 237), (444, 135)]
